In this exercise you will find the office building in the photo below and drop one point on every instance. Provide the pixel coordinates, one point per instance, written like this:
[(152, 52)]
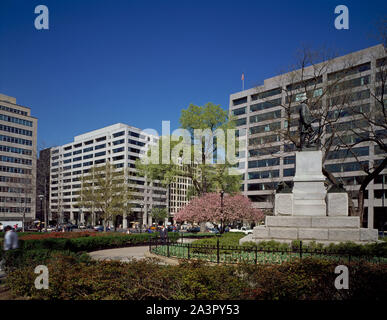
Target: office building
[(119, 144), (268, 158), (17, 161)]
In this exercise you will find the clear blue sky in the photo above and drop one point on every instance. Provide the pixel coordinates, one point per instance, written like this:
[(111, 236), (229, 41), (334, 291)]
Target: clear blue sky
[(141, 62)]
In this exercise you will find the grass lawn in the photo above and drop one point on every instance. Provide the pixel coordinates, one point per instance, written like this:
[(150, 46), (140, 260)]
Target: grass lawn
[(231, 239), (226, 239)]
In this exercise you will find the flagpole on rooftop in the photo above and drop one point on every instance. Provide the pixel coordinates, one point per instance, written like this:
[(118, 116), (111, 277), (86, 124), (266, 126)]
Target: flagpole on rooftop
[(243, 81)]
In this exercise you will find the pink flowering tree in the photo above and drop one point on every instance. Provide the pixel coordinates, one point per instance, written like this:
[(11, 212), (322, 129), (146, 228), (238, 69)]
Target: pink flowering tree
[(207, 208)]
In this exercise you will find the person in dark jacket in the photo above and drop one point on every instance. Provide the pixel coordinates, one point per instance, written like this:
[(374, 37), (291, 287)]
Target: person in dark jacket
[(163, 234)]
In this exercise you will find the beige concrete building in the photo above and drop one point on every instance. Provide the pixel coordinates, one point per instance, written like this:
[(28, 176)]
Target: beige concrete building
[(178, 193), (18, 130), (119, 144), (267, 159)]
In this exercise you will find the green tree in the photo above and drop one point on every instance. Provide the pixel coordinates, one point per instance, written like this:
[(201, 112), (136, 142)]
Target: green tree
[(105, 191), (159, 214), (202, 164)]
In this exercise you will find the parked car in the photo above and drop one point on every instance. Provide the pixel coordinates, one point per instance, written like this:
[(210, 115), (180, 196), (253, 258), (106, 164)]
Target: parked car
[(213, 230), (243, 229), (193, 229), (101, 228), (185, 227)]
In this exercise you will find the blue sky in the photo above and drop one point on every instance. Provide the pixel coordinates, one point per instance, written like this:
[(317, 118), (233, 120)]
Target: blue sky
[(141, 62)]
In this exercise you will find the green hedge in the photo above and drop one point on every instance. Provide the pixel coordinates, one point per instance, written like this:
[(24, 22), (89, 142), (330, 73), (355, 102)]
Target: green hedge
[(20, 234), (310, 279), (92, 243), (34, 252), (18, 258)]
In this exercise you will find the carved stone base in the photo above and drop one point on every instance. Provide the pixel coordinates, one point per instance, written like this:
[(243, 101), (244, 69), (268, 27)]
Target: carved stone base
[(310, 228)]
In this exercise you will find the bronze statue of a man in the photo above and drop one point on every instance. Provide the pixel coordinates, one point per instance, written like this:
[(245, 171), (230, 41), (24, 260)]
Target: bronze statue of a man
[(308, 134)]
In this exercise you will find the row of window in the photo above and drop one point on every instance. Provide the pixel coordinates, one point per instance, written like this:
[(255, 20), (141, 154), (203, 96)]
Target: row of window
[(353, 83), (15, 180), (345, 167), (101, 146), (15, 170), (15, 199), (348, 125), (15, 130), (264, 163), (265, 128), (15, 140), (350, 71), (16, 160), (14, 189), (348, 153), (23, 122), (262, 186), (15, 150), (263, 174), (348, 98), (340, 113), (264, 151), (17, 111), (264, 140), (115, 135), (15, 210), (258, 96), (305, 83), (265, 116), (265, 105)]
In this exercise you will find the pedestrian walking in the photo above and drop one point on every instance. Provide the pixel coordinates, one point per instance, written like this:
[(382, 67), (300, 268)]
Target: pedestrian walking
[(11, 241)]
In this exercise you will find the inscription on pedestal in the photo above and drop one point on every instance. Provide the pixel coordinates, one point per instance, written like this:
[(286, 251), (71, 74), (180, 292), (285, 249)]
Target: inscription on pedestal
[(337, 204), (283, 204)]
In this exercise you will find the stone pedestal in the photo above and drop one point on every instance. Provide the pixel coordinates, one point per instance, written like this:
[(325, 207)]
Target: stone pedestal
[(283, 204), (312, 228), (309, 190), (308, 213), (337, 204)]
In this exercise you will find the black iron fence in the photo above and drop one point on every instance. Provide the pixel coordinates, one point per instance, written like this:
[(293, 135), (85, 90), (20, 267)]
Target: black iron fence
[(243, 254)]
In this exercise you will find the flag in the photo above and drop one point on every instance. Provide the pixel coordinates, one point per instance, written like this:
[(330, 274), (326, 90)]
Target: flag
[(243, 76)]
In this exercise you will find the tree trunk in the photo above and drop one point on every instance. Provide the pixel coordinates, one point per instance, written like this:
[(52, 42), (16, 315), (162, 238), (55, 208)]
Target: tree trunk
[(23, 221), (360, 206)]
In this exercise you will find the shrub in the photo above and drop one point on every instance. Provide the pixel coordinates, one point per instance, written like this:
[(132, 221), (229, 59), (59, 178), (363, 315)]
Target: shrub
[(14, 259), (310, 279), (88, 242)]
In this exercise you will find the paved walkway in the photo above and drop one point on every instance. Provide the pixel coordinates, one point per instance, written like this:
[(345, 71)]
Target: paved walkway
[(121, 254), (130, 253)]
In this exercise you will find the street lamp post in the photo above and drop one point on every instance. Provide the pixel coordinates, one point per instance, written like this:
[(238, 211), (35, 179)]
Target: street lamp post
[(41, 197), (142, 218), (221, 209)]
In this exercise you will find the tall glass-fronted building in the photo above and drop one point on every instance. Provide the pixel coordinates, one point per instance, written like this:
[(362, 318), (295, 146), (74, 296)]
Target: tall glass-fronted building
[(261, 116)]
